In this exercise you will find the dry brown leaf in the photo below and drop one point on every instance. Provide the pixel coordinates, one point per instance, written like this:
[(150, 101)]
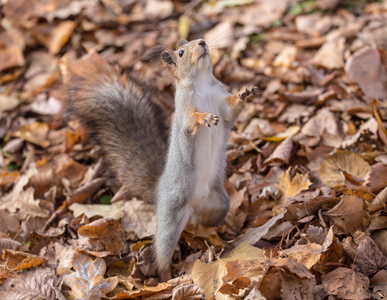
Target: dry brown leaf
[(286, 279), (324, 125), (377, 178), (330, 55), (365, 68), (9, 244), (369, 258), (348, 214), (59, 36), (8, 102), (308, 254), (105, 234), (342, 160), (163, 288), (187, 292), (253, 235), (113, 211), (291, 188), (8, 222), (73, 171), (87, 282), (379, 201), (380, 238), (23, 201), (35, 284), (346, 284), (379, 284), (331, 255), (58, 256), (11, 56), (209, 276), (84, 192), (36, 133), (196, 234), (9, 177), (17, 260), (282, 153), (139, 218)]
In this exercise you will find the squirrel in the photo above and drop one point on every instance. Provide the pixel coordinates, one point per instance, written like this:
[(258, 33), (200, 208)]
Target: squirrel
[(185, 177)]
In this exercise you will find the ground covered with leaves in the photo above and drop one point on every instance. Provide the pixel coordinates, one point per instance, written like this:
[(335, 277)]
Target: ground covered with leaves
[(307, 163)]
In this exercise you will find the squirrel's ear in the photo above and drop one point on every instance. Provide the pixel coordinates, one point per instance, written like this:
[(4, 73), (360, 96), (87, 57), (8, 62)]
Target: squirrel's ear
[(168, 58), (153, 55), (181, 43)]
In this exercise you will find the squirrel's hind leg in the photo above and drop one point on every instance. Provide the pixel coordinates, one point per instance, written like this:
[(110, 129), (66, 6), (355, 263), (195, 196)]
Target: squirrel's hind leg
[(170, 224)]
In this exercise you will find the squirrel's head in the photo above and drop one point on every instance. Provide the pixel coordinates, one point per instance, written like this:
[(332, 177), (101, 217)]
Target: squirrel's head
[(190, 61)]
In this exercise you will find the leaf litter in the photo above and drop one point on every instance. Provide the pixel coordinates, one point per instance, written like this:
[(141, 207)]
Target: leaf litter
[(306, 159)]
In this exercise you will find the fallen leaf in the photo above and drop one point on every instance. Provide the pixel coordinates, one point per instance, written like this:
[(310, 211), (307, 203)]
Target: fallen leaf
[(365, 68), (379, 284), (7, 243), (11, 56), (209, 276), (291, 188), (330, 55), (324, 125), (379, 202), (139, 217), (23, 201), (31, 285), (286, 279), (8, 222), (253, 235), (377, 178), (18, 260), (346, 284), (348, 214), (113, 211), (282, 153), (369, 258), (342, 160), (59, 36), (36, 133), (87, 282), (8, 102), (290, 131), (190, 291), (308, 254), (105, 232)]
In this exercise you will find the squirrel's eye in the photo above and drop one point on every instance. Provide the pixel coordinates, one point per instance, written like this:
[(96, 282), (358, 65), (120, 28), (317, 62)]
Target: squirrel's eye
[(181, 52)]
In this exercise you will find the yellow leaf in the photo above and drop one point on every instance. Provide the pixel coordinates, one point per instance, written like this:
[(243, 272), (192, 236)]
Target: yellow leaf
[(183, 27), (292, 130), (291, 188)]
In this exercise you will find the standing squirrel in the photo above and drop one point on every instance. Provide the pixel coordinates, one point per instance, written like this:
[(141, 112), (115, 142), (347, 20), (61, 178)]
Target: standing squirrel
[(185, 178)]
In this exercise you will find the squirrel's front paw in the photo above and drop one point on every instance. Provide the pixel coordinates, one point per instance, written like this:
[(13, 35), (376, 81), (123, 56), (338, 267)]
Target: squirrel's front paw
[(247, 91), (209, 119)]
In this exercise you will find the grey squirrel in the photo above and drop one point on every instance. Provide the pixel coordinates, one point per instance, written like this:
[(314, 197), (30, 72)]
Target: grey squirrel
[(186, 177)]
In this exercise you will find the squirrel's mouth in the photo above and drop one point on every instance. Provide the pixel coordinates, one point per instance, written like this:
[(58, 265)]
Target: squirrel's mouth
[(204, 55)]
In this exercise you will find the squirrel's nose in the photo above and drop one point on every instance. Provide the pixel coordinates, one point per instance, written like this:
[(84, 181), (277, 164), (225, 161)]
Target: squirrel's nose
[(201, 43)]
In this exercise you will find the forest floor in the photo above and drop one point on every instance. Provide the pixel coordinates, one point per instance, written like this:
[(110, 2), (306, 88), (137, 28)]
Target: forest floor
[(307, 159)]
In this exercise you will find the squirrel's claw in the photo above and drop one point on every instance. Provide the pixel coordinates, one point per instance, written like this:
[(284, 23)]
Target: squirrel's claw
[(210, 119), (247, 91)]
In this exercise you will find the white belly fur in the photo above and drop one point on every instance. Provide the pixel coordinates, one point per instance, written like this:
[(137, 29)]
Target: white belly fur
[(209, 143)]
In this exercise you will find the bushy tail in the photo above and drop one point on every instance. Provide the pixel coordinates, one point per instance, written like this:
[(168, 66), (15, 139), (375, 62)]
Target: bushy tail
[(121, 120)]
